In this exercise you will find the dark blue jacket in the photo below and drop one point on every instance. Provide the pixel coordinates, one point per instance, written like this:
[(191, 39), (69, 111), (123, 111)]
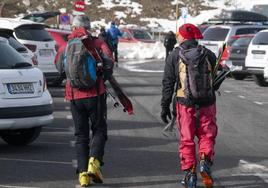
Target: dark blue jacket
[(115, 33)]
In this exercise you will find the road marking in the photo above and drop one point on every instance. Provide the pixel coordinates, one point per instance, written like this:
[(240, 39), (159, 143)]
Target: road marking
[(258, 103), (67, 108), (241, 96), (226, 91), (252, 169), (10, 186), (69, 117), (74, 163), (65, 100), (135, 69), (72, 143), (36, 161)]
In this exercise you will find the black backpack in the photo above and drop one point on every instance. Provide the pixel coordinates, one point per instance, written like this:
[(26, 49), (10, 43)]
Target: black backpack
[(80, 66), (197, 85)]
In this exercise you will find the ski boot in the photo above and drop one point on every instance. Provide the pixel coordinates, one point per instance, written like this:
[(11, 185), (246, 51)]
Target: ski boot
[(205, 172), (94, 170), (190, 178), (84, 179)]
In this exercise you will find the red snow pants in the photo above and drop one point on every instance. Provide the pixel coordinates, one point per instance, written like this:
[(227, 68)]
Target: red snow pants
[(206, 133)]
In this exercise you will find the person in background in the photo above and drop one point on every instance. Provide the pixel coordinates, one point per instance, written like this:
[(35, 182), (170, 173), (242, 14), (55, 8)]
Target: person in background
[(189, 67), (88, 104), (114, 32), (169, 42), (106, 37)]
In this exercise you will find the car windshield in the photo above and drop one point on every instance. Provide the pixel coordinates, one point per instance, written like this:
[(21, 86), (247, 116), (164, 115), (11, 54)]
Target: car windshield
[(242, 42), (32, 32), (261, 39), (215, 34), (141, 34), (10, 58)]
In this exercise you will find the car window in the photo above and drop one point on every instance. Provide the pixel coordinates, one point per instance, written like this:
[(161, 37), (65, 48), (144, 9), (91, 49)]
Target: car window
[(141, 34), (125, 35), (10, 57), (243, 42), (243, 31), (33, 32), (215, 34), (16, 45), (261, 39)]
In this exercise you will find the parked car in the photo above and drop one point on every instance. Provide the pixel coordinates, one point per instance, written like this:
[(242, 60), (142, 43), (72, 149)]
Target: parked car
[(257, 57), (232, 23), (134, 35), (236, 51), (34, 36), (23, 50), (25, 102), (61, 38)]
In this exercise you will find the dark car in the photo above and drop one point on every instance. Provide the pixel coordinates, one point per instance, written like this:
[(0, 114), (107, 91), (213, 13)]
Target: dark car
[(237, 54)]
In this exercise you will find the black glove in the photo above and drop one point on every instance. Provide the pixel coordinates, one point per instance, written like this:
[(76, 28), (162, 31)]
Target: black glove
[(165, 114)]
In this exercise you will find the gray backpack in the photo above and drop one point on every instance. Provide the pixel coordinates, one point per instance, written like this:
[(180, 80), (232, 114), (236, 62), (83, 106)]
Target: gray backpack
[(198, 82)]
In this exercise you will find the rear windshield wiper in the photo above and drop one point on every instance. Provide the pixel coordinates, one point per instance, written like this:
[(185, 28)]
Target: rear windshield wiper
[(21, 65)]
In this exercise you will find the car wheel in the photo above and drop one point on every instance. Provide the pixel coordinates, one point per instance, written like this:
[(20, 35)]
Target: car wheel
[(21, 137), (239, 76), (260, 80)]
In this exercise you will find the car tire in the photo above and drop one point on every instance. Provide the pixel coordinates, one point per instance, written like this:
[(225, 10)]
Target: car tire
[(260, 80), (21, 137), (239, 76)]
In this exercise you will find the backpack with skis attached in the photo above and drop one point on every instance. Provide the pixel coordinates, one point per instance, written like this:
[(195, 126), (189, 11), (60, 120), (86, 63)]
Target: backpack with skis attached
[(195, 76), (80, 66)]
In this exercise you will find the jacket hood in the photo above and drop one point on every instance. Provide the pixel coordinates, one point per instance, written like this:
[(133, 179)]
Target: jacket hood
[(191, 51), (77, 33)]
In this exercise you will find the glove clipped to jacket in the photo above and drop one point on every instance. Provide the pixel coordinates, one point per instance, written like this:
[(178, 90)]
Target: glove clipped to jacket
[(165, 114)]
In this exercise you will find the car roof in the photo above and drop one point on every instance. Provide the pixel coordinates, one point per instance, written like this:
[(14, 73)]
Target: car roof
[(238, 26), (265, 30), (12, 23)]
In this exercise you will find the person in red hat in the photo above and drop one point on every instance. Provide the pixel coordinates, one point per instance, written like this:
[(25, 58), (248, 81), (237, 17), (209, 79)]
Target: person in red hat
[(189, 70)]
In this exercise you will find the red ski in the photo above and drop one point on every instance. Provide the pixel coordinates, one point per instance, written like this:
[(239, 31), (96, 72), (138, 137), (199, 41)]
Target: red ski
[(120, 94)]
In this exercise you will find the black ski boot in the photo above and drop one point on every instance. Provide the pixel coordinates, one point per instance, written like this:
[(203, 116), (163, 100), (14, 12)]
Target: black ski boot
[(190, 178), (205, 172)]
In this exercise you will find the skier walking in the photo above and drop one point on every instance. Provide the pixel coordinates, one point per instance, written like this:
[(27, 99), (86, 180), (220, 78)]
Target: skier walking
[(106, 37), (169, 42), (115, 33), (87, 103), (190, 68)]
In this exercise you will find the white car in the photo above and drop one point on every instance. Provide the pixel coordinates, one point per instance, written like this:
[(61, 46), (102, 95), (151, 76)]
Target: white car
[(257, 57), (25, 102), (216, 35), (34, 36)]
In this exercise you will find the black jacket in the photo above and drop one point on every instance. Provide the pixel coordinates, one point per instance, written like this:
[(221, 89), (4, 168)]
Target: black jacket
[(169, 41), (171, 74)]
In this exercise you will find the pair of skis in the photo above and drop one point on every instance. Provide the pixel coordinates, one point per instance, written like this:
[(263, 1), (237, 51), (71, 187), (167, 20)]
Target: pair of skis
[(121, 99)]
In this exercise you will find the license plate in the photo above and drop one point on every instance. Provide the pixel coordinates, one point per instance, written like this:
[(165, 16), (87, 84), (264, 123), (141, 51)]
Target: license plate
[(46, 52), (258, 56), (20, 88)]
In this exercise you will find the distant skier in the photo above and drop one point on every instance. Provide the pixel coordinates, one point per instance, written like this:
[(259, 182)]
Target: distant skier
[(169, 42), (106, 37), (191, 66), (115, 33)]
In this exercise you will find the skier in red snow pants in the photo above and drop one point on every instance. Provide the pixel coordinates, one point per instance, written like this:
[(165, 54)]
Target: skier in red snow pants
[(195, 108)]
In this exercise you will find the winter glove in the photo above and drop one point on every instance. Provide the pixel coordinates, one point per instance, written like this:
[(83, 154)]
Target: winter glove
[(165, 114)]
